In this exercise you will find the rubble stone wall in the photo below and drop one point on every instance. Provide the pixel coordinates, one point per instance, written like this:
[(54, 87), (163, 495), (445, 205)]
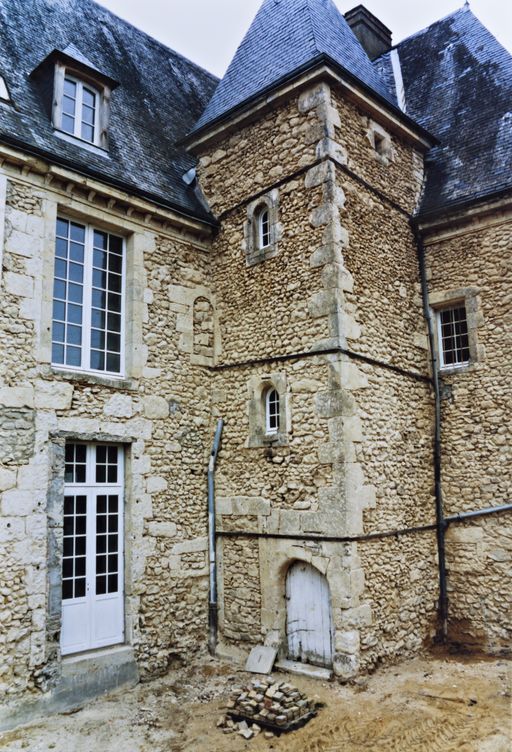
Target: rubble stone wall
[(359, 453), (477, 454), (159, 411)]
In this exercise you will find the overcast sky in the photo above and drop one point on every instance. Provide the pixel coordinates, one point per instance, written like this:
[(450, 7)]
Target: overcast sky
[(209, 31)]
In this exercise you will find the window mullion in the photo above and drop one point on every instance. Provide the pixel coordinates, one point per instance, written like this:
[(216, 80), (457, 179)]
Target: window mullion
[(87, 302)]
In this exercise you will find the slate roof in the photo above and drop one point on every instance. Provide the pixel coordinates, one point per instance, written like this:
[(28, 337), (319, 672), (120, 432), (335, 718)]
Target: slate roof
[(159, 97), (285, 36), (458, 85)]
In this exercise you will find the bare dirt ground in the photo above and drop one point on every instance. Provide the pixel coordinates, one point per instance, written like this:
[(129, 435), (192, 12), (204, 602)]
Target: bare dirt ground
[(429, 704)]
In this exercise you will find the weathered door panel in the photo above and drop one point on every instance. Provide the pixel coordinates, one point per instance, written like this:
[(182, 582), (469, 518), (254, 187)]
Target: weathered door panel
[(309, 623)]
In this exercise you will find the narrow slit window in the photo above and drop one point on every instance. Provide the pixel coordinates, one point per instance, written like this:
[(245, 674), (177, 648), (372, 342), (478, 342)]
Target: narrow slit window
[(379, 143), (272, 411), (453, 337), (263, 228)]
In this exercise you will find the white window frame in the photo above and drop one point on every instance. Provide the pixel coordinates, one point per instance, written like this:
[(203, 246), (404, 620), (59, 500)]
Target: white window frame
[(80, 86), (442, 364), (263, 234), (4, 91), (90, 488), (271, 430), (87, 304)]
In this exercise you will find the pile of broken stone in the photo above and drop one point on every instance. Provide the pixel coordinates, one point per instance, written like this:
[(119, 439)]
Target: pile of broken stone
[(266, 704)]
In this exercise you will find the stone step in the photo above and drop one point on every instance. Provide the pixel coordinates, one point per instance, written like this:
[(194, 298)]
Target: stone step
[(303, 669)]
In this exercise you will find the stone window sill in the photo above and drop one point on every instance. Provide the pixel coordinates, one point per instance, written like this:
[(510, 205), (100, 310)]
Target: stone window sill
[(92, 378)]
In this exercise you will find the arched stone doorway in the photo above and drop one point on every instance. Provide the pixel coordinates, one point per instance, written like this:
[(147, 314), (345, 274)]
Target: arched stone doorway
[(308, 615)]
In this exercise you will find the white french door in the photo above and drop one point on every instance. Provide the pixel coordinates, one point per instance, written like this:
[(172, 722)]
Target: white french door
[(92, 562)]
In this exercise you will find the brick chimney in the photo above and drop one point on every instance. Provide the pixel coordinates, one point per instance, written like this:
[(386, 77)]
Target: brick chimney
[(373, 35)]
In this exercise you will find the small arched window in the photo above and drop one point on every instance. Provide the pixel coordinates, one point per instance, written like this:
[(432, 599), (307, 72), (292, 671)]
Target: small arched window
[(272, 411), (263, 228)]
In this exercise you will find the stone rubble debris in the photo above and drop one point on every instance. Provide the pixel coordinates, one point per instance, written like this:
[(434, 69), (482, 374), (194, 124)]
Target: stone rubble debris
[(264, 704)]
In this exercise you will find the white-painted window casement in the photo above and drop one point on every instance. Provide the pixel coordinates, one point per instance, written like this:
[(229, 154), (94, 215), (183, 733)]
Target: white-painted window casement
[(4, 91), (88, 299), (92, 548), (453, 336), (263, 228), (79, 115), (272, 411)]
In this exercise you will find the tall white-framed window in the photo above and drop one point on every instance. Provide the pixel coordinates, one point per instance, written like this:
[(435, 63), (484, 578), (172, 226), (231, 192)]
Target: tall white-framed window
[(453, 336), (92, 547), (88, 299), (80, 108), (272, 411), (263, 228)]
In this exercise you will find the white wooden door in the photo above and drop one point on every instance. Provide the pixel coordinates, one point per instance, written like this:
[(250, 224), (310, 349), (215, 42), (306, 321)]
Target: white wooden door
[(92, 562), (309, 623)]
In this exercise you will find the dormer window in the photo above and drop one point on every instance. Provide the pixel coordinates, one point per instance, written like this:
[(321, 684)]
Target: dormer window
[(76, 95), (80, 110)]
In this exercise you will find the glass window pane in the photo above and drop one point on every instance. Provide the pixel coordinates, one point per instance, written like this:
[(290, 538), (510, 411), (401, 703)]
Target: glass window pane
[(80, 546), (62, 227), (114, 343), (74, 314), (88, 97), (61, 268), (115, 244), (112, 562), (113, 504), (99, 299), (97, 339), (98, 318), (67, 589), (80, 453), (74, 335), (68, 547), (59, 289), (114, 282), (87, 132), (101, 505), (114, 302), (101, 523), (101, 585), (67, 568), (68, 124), (101, 475), (113, 363), (58, 354), (80, 566), (112, 474), (87, 115), (101, 564), (100, 259), (61, 248), (112, 543), (69, 87), (76, 252), (73, 356), (97, 360), (76, 273), (68, 106), (101, 544), (112, 583), (77, 233), (100, 240), (58, 332), (115, 263), (80, 525), (114, 322), (99, 279), (80, 588), (75, 293)]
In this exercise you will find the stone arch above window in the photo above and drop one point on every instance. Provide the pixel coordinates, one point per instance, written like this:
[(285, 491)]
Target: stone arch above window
[(262, 231)]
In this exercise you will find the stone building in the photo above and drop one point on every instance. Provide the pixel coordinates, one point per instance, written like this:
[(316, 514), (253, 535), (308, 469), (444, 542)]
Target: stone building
[(315, 250)]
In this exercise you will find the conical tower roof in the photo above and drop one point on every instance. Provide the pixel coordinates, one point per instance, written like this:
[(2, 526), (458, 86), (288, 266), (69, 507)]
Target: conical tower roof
[(285, 37)]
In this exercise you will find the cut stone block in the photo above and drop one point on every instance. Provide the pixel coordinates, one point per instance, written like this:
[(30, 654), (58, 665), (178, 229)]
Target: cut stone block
[(261, 660)]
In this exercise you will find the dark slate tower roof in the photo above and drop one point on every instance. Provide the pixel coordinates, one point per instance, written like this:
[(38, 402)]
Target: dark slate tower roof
[(458, 85), (158, 98), (285, 37)]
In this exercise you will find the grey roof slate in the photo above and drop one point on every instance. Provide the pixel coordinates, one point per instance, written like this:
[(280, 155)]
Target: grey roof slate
[(285, 36), (458, 85), (159, 97)]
